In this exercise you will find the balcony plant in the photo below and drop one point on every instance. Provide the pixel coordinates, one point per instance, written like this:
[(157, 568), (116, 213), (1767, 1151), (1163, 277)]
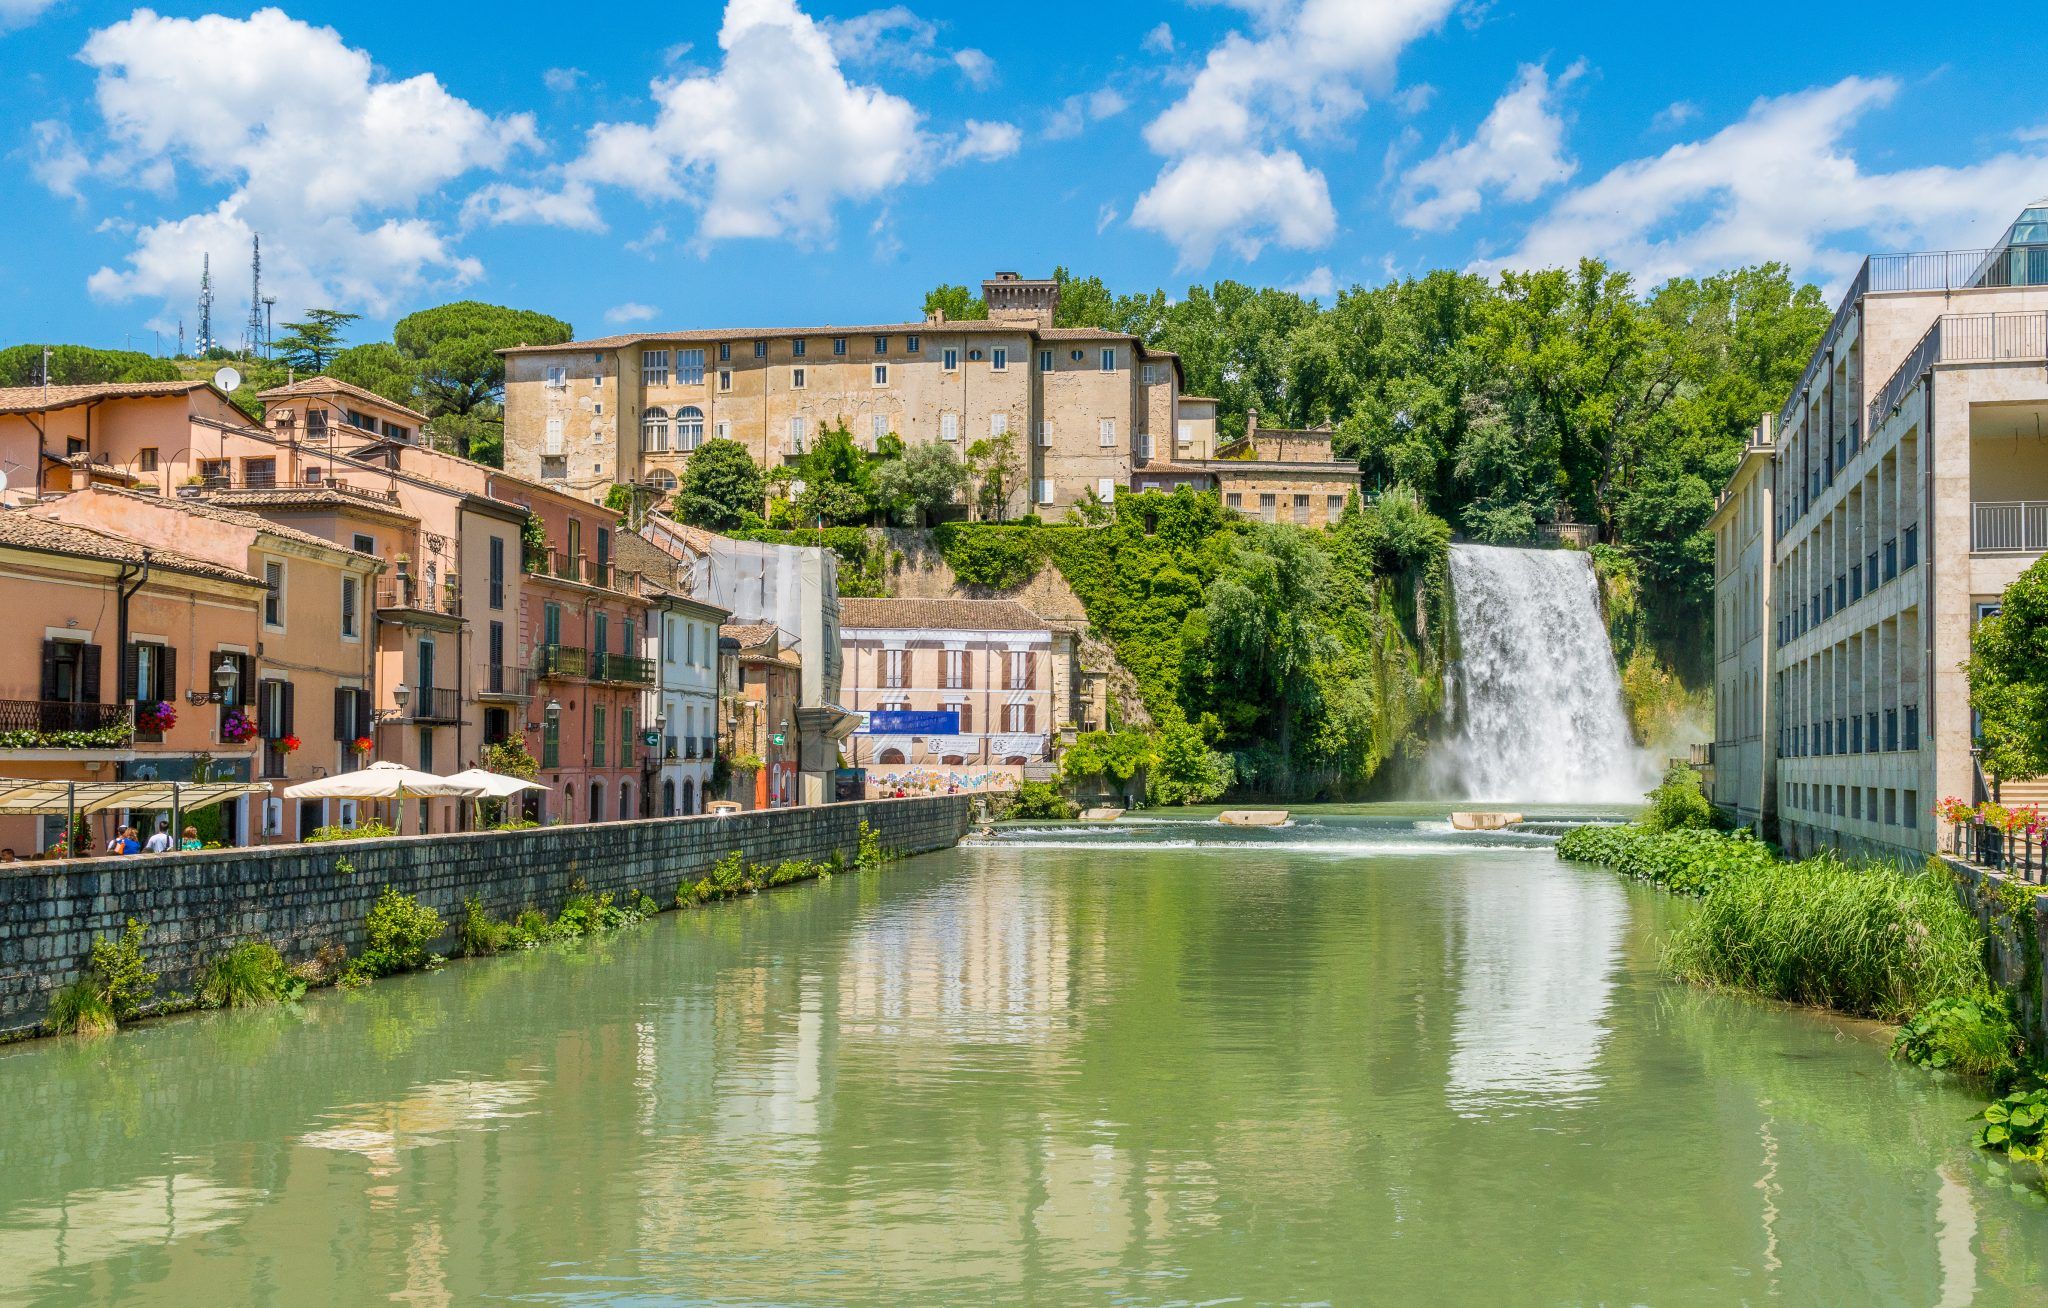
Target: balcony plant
[(99, 738), (237, 727), (158, 717), (289, 744), (362, 745)]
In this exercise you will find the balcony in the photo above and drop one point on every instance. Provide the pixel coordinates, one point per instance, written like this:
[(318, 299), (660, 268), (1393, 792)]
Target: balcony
[(61, 725), (434, 705), (2009, 527), (559, 662), (627, 668), (228, 489), (507, 681), (413, 597), (573, 567), (1964, 338)]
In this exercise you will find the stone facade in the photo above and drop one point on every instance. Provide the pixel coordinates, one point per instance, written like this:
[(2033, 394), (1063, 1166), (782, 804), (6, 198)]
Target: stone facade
[(302, 898)]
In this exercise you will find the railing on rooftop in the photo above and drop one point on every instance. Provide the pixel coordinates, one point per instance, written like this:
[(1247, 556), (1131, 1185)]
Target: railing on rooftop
[(2009, 527), (1963, 338)]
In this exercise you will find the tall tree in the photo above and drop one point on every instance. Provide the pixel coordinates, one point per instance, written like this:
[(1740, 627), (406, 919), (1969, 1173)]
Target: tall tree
[(309, 346), (722, 487), (995, 466), (956, 302), (2008, 671), (922, 479), (454, 348)]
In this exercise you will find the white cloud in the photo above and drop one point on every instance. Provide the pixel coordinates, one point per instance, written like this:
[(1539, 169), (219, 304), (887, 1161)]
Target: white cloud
[(1243, 200), (895, 35), (20, 13), (562, 81), (771, 141), (1412, 100), (1319, 284), (1779, 184), (976, 67), (1307, 70), (1518, 150), (573, 206), (649, 241), (631, 311), (328, 160), (1077, 111), (1159, 40), (986, 142), (1105, 218), (1674, 115)]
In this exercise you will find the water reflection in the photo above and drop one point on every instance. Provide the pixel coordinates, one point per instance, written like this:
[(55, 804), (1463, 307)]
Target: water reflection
[(88, 1226), (1536, 971), (429, 1115)]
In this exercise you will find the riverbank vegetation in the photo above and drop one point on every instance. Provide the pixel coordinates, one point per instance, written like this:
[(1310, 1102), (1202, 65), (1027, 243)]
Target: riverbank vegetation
[(116, 987)]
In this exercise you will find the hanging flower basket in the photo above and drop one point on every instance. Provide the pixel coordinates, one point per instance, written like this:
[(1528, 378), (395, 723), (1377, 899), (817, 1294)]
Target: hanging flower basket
[(362, 744), (158, 717), (289, 744), (237, 727)]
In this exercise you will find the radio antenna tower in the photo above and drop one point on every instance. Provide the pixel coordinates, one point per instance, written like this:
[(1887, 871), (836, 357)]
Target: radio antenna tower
[(205, 339), (255, 294)]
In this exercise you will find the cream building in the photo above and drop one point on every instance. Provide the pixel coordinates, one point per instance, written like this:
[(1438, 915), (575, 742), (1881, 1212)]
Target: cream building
[(1910, 487), (1083, 406), (1743, 768)]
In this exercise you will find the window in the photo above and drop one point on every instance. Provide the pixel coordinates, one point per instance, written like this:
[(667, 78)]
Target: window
[(912, 345), (881, 345), (1105, 489), (625, 749), (725, 379), (689, 367), (1044, 433), (1020, 718), (597, 734), (797, 378), (796, 435), (796, 348), (601, 634), (1268, 511), (1045, 491), (654, 430), (1301, 510), (1019, 671), (725, 351), (689, 428), (949, 426), (1909, 800), (1911, 540), (879, 427), (955, 674), (839, 345), (1109, 359), (557, 378), (497, 572), (895, 668), (998, 424), (999, 359), (723, 429), (1105, 433), (349, 602), (150, 673), (1149, 374), (1335, 507), (1045, 360), (881, 374), (654, 367), (760, 349), (1233, 500), (273, 594), (147, 459), (949, 360)]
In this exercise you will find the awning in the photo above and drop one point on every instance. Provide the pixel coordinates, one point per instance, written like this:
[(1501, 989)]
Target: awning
[(382, 781), (44, 796)]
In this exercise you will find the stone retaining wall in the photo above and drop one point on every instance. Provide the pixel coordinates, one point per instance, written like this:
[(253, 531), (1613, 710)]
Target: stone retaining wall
[(2016, 945), (303, 897)]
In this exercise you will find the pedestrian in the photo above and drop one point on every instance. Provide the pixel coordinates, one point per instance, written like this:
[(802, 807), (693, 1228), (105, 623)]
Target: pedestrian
[(129, 843), (191, 840), (160, 839), (7, 854), (114, 841)]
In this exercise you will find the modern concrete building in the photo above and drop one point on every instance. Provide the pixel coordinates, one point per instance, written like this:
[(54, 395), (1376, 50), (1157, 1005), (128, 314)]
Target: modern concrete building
[(1909, 487), (1743, 766)]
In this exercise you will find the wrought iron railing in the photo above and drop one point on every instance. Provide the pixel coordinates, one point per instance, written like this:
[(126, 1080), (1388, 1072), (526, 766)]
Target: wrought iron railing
[(2018, 855), (555, 662), (508, 679), (60, 724), (418, 598), (630, 668), (434, 704)]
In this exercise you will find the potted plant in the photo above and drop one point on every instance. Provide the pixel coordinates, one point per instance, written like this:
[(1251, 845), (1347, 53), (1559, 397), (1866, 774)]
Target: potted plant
[(237, 727), (157, 717), (289, 744), (362, 745)]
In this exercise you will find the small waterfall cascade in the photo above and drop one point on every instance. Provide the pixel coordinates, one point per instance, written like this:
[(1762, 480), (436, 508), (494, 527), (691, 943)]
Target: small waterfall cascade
[(1534, 694)]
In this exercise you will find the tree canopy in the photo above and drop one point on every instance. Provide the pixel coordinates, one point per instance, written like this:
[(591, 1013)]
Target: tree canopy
[(722, 487), (310, 346), (81, 365), (2008, 671)]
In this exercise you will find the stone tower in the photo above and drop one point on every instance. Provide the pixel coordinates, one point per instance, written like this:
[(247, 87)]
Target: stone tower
[(1011, 297)]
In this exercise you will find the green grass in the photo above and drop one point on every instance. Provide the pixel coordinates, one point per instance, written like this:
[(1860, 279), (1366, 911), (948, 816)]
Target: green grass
[(81, 1008), (250, 974), (1690, 861)]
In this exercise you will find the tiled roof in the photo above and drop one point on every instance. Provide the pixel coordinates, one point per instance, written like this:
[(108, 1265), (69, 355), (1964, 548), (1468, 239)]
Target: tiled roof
[(233, 517), (325, 385), (302, 497), (22, 530), (749, 634), (961, 326), (937, 615), (34, 399)]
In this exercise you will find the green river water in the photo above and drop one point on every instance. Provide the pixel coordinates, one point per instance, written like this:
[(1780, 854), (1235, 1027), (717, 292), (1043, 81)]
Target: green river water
[(1356, 1060)]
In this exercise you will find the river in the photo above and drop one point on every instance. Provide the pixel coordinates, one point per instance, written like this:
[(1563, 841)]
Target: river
[(1358, 1059)]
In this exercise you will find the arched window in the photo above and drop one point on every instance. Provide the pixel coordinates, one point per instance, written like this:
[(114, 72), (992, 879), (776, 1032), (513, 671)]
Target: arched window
[(625, 800), (662, 480), (952, 760), (890, 756), (654, 429), (668, 798), (597, 801), (690, 795), (689, 427), (568, 801)]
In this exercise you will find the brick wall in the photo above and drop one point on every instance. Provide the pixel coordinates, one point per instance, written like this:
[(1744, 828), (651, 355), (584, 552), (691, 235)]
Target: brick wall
[(299, 899)]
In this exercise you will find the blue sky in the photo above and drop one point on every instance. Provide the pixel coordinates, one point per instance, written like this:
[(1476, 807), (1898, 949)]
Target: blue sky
[(791, 161)]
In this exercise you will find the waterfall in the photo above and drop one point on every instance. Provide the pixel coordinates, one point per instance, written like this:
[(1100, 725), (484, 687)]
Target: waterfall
[(1535, 697)]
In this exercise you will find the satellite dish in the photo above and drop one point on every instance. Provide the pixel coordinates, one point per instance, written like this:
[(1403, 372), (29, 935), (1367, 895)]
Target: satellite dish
[(227, 379)]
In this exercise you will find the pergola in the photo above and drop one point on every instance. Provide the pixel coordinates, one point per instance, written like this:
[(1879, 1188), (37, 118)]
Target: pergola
[(28, 795)]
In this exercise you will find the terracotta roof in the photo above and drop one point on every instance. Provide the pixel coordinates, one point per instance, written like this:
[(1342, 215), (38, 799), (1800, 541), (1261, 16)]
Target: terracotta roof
[(233, 517), (34, 399), (963, 326), (749, 634), (1164, 466), (937, 614), (325, 385), (303, 497), (22, 530)]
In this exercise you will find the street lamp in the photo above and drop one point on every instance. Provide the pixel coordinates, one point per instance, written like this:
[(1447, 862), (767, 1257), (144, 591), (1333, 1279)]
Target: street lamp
[(224, 678), (553, 712)]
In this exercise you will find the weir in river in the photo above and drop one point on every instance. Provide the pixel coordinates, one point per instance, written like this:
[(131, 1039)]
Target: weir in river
[(1535, 698)]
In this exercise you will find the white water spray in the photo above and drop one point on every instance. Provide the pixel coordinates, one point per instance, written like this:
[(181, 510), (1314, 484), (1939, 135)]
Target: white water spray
[(1535, 694)]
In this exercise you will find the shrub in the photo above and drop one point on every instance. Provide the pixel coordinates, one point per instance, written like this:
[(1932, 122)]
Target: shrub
[(729, 874), (119, 971), (1865, 940), (397, 932), (1041, 799), (371, 830), (1970, 1034), (992, 557), (2016, 1125), (869, 854), (1688, 861), (81, 1008), (1678, 804), (479, 933), (247, 975)]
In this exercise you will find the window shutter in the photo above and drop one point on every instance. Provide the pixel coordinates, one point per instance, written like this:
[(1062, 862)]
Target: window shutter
[(344, 712), (245, 688), (1030, 673), (89, 674), (288, 696), (966, 718), (131, 669), (49, 671), (1030, 718), (362, 698), (167, 673)]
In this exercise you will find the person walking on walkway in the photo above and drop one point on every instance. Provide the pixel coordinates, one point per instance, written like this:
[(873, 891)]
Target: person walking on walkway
[(160, 841)]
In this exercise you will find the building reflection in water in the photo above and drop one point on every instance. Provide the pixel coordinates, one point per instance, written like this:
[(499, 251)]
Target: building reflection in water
[(89, 1226), (1536, 964)]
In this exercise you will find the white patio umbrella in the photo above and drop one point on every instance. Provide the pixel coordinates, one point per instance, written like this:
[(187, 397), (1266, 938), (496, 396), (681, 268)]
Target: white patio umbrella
[(383, 781), (491, 785)]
